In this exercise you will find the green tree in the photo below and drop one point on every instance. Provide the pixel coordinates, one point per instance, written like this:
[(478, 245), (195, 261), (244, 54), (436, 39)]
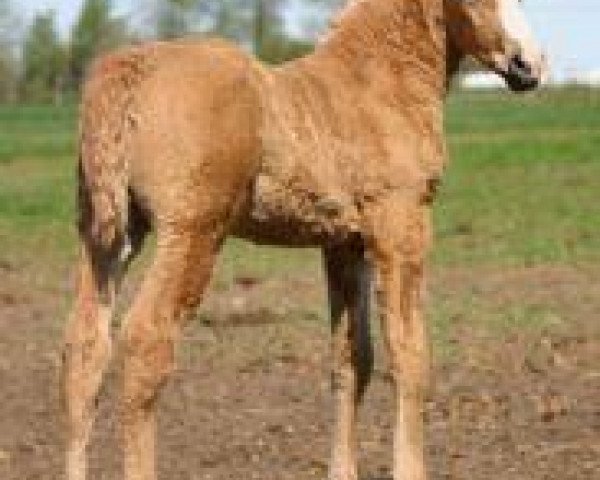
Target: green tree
[(260, 24), (8, 76), (233, 19), (8, 56), (256, 24), (227, 18), (272, 43), (172, 18), (96, 31), (43, 61)]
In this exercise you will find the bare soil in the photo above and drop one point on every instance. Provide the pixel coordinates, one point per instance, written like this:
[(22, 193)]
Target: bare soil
[(251, 400)]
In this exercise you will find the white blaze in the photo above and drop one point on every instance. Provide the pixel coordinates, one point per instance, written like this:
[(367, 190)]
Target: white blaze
[(516, 27)]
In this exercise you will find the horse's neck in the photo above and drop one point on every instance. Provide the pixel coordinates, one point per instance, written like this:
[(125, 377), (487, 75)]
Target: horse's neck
[(395, 50), (400, 43)]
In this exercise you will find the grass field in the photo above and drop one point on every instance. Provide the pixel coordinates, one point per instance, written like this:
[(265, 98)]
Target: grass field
[(521, 190), (513, 308)]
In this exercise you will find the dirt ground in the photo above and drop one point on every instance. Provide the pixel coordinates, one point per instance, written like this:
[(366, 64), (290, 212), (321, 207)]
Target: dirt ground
[(251, 399)]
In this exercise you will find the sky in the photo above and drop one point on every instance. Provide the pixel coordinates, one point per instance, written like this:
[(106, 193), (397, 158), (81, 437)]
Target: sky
[(569, 30)]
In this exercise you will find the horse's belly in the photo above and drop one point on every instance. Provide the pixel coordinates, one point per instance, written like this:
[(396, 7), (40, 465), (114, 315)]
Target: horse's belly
[(285, 213)]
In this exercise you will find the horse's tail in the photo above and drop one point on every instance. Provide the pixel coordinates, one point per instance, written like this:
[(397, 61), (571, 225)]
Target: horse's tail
[(106, 123)]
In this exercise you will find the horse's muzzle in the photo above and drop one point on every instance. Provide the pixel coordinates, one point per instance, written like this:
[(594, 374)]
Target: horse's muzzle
[(521, 76)]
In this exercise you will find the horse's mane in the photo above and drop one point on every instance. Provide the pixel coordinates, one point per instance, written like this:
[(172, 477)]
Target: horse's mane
[(401, 44), (362, 19), (406, 32)]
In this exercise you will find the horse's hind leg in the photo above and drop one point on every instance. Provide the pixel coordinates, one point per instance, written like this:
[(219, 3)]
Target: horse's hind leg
[(172, 287), (348, 279), (86, 354)]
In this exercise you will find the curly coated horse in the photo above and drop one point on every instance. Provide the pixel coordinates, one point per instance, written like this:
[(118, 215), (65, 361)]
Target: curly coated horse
[(341, 149)]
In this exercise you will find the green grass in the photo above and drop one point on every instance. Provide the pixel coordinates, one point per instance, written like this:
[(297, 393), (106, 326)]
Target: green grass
[(485, 112), (36, 132), (37, 145), (521, 187)]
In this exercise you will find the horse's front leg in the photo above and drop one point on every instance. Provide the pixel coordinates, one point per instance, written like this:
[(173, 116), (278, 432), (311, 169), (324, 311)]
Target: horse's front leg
[(348, 280), (399, 256)]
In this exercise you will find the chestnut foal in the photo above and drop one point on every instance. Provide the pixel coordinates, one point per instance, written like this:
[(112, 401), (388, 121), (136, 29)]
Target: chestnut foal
[(341, 149)]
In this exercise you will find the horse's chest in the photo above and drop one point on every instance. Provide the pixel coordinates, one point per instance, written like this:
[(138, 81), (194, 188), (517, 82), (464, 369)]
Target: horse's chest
[(316, 181), (300, 206), (317, 193)]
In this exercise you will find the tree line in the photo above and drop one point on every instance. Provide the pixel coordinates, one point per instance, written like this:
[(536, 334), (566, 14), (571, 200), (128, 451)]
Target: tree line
[(41, 64)]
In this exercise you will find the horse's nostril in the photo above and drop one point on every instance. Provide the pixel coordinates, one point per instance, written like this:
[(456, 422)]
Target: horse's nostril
[(521, 65), (520, 75)]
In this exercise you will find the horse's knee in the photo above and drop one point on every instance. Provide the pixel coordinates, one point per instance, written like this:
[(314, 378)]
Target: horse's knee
[(408, 370), (86, 353)]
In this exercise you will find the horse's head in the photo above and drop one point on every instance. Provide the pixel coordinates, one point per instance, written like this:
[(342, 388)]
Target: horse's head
[(495, 33)]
